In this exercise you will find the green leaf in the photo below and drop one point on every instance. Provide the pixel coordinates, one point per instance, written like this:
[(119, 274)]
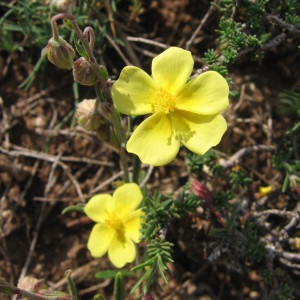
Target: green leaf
[(7, 288), (98, 297), (285, 183), (55, 295), (119, 289), (142, 279), (71, 284), (147, 263), (112, 273), (71, 208)]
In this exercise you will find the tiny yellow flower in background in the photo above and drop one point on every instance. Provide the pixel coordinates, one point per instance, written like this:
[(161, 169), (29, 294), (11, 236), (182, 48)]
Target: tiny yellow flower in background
[(265, 190), (182, 112), (295, 243), (118, 224)]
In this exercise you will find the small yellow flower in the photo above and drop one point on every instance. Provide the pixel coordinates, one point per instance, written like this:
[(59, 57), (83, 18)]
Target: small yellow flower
[(295, 243), (265, 190), (118, 224), (182, 112)]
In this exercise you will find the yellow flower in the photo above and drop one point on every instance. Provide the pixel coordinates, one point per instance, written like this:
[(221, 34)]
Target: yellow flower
[(118, 224), (182, 112), (265, 190)]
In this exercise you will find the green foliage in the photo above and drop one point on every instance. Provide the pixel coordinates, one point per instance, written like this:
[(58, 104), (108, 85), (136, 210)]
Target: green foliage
[(26, 19), (71, 284), (157, 215), (159, 212), (222, 198), (215, 62), (289, 103), (283, 291), (244, 29), (43, 294), (159, 253), (238, 179), (285, 159), (254, 248), (240, 244), (112, 273), (185, 205), (233, 39), (71, 208), (289, 10), (196, 162), (119, 288)]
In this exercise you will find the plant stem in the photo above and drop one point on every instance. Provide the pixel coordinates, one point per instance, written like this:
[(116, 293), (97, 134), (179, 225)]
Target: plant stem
[(120, 139), (86, 44), (54, 29), (136, 169), (102, 89)]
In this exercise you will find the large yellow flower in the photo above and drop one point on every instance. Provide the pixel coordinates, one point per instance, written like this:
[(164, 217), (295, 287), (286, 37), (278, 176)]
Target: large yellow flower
[(118, 224), (182, 111)]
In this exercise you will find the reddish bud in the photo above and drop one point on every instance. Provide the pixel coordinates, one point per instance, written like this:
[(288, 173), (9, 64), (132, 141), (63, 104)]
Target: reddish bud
[(60, 53), (204, 193), (201, 190), (84, 73)]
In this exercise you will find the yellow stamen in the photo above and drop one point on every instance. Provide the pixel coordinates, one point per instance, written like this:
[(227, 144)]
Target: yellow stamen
[(164, 102), (115, 223)]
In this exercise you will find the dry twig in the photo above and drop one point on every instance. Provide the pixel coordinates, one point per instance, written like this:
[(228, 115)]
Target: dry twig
[(234, 159)]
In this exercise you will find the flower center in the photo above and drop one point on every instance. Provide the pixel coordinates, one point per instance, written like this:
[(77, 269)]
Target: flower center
[(164, 102), (116, 224)]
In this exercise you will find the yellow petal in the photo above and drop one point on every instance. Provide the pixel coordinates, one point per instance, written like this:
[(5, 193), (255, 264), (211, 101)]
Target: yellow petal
[(198, 133), (98, 206), (121, 253), (100, 239), (134, 92), (153, 141), (172, 68), (133, 225), (127, 198), (207, 94)]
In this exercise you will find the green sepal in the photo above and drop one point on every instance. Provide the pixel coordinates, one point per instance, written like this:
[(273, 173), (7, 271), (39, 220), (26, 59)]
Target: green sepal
[(104, 72), (80, 49)]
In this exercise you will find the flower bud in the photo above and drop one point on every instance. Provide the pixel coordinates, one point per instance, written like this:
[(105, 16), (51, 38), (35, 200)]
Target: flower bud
[(84, 73), (61, 6), (60, 53), (86, 115)]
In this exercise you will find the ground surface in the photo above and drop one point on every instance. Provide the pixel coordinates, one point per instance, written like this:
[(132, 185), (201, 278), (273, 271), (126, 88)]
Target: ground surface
[(47, 162)]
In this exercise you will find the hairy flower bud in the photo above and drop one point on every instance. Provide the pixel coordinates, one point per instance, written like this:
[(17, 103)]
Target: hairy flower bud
[(60, 53), (84, 73), (61, 6), (86, 115)]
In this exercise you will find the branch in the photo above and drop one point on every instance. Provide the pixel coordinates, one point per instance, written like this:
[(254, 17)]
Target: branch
[(281, 23), (240, 153)]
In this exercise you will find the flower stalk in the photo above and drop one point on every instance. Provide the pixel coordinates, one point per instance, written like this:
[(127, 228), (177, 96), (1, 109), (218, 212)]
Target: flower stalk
[(102, 89), (87, 40)]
